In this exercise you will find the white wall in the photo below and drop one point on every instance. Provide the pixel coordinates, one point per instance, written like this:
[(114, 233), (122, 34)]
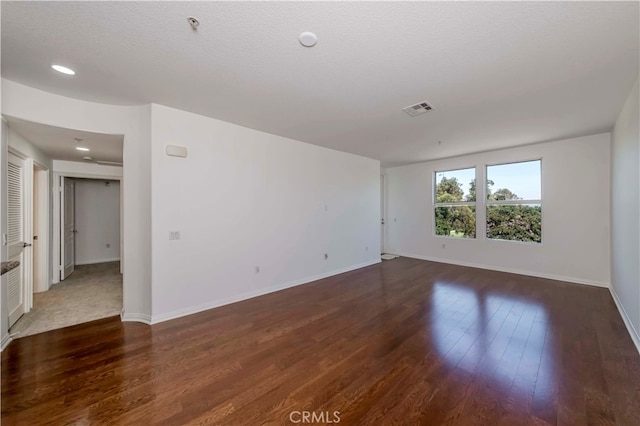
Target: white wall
[(135, 124), (245, 198), (97, 220), (242, 199), (625, 213), (25, 147), (576, 228)]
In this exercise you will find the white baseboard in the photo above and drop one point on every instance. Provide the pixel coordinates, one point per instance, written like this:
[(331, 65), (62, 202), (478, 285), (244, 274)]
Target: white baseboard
[(5, 342), (508, 270), (93, 262), (251, 294), (143, 318), (627, 321)]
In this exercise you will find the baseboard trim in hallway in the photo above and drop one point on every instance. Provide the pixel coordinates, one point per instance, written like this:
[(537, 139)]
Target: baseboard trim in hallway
[(5, 342)]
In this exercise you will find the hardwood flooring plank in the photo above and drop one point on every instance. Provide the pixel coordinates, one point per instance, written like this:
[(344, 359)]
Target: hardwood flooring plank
[(398, 343)]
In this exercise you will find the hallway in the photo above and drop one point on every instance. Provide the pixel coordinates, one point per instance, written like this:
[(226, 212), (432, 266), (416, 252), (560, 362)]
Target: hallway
[(91, 292)]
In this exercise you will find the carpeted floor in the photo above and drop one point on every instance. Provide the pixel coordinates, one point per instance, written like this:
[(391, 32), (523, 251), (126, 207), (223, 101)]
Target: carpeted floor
[(91, 292)]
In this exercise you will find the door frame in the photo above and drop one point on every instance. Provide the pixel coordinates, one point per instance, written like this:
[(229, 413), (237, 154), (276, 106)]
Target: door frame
[(383, 212), (57, 211), (67, 237), (27, 255), (41, 217)]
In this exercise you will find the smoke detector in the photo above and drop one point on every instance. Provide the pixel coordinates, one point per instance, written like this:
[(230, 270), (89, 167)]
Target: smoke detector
[(419, 108), (308, 39)]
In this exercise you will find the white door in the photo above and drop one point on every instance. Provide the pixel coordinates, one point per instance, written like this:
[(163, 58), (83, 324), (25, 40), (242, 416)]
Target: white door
[(16, 237), (68, 239), (36, 231), (381, 214)]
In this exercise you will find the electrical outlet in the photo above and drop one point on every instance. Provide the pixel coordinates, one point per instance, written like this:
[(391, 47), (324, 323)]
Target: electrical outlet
[(326, 256), (174, 235)]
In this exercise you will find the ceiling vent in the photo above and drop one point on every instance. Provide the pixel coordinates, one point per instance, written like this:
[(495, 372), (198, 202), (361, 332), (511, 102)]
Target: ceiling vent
[(109, 163), (419, 108)]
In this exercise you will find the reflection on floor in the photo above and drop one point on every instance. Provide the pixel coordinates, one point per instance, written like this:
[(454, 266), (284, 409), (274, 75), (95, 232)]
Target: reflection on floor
[(91, 292), (402, 342)]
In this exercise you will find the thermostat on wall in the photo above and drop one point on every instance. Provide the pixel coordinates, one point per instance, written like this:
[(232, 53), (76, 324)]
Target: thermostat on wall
[(176, 151)]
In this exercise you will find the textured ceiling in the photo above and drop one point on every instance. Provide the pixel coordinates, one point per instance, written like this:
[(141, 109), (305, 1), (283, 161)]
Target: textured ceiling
[(60, 144), (498, 73)]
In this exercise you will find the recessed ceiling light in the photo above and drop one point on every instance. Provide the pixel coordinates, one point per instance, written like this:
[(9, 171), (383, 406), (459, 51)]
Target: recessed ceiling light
[(63, 70), (82, 148), (308, 39)]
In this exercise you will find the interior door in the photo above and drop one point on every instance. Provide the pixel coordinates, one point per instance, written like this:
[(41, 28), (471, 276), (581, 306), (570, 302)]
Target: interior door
[(16, 237), (382, 195), (36, 231), (68, 240)]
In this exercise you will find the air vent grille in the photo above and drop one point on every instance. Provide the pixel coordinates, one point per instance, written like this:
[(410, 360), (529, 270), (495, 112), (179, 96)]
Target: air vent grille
[(419, 108)]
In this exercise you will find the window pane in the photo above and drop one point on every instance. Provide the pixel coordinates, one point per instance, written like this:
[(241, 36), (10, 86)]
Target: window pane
[(516, 181), (458, 221), (515, 222), (456, 185)]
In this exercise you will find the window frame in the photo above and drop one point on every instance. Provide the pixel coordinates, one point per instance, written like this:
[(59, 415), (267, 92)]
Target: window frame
[(454, 204), (488, 203)]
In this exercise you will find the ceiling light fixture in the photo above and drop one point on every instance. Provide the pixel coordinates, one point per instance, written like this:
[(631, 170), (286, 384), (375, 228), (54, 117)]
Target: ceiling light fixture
[(63, 70), (82, 148), (308, 39)]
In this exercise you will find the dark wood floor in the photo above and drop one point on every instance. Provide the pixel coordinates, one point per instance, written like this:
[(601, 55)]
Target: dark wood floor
[(404, 342)]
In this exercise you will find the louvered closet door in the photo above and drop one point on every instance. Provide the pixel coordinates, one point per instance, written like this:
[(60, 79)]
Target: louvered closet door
[(15, 237)]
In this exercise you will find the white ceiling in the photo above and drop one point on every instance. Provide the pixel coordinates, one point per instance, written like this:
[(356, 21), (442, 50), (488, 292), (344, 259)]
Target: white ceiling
[(60, 144), (498, 73)]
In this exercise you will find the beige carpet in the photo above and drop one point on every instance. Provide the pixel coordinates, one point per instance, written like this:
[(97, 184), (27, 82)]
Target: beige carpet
[(91, 292)]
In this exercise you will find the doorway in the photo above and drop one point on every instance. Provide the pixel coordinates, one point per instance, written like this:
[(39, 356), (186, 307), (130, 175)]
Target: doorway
[(382, 213), (28, 232), (91, 222), (40, 239), (16, 237), (89, 283)]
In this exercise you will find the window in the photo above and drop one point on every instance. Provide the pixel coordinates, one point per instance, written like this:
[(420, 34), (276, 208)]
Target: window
[(455, 203), (514, 202)]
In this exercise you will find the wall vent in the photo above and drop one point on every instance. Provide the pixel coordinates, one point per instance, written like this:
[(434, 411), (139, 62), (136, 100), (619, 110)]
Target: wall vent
[(419, 108)]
